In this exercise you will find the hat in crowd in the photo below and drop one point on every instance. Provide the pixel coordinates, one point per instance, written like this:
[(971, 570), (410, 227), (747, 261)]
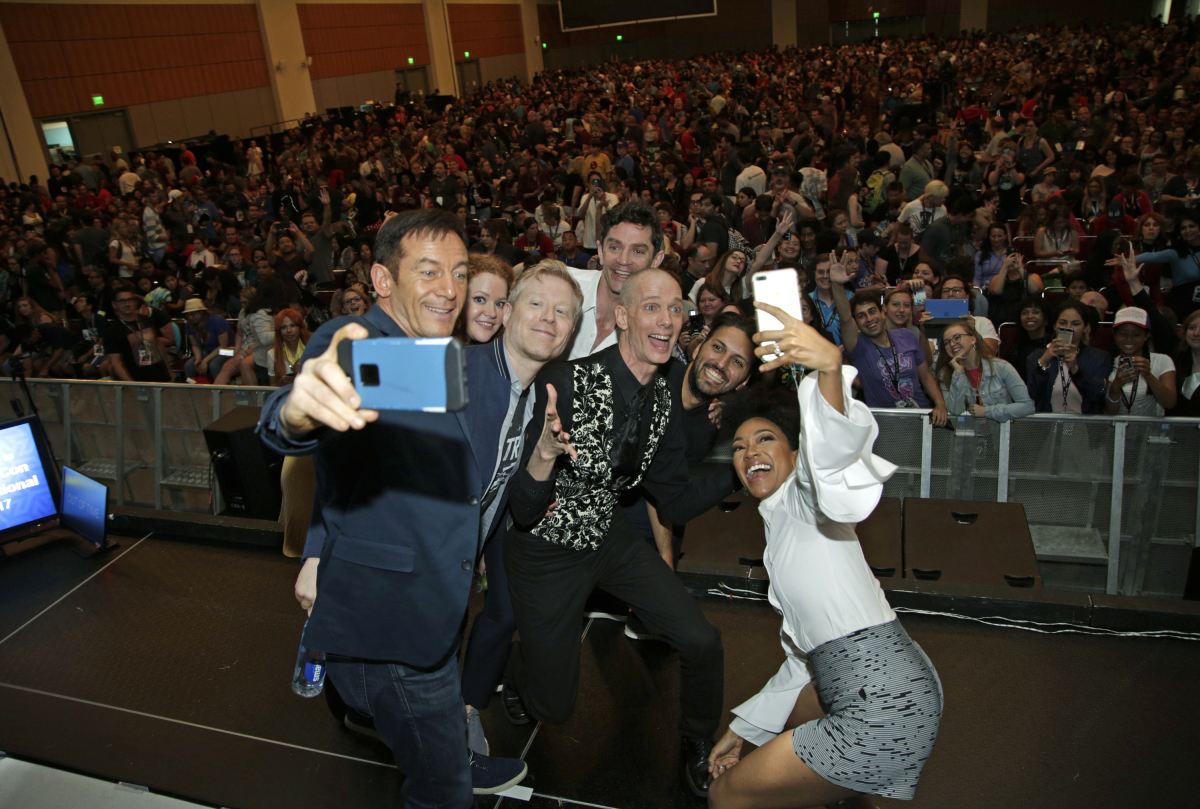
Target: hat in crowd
[(1050, 170), (782, 169), (622, 144), (174, 194), (194, 305), (1134, 315)]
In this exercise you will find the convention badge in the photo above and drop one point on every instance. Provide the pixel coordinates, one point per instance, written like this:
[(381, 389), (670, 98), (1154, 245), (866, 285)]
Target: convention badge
[(907, 402)]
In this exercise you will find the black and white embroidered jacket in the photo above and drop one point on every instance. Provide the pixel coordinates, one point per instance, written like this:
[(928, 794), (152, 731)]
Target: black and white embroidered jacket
[(592, 396)]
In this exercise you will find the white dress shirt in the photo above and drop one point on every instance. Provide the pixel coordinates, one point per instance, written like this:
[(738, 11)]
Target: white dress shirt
[(583, 343)]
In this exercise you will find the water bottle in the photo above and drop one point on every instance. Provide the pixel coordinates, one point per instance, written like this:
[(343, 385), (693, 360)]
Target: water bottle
[(309, 676)]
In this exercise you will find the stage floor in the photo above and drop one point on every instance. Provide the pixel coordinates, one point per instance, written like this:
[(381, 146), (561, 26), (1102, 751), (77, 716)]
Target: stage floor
[(168, 664)]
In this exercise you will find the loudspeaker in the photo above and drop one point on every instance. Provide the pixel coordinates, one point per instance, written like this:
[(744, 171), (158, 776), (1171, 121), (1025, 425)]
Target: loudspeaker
[(247, 471)]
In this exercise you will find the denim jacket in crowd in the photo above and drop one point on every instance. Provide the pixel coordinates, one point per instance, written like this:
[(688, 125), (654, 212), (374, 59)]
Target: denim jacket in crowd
[(1001, 388)]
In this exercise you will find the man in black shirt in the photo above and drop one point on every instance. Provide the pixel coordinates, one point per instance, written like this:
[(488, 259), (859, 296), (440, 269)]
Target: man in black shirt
[(135, 342), (443, 189), (613, 414)]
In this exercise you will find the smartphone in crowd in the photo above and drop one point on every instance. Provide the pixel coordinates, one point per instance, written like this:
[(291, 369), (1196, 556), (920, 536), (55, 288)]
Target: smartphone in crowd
[(1125, 365), (1066, 336), (919, 297), (779, 288), (407, 373)]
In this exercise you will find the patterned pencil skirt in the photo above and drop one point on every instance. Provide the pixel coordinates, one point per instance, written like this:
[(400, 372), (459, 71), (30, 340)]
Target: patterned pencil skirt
[(884, 704)]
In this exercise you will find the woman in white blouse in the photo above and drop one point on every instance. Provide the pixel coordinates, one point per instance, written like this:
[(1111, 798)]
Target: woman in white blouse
[(859, 701)]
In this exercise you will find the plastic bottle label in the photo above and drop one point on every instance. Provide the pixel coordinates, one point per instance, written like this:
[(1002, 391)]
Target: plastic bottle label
[(314, 671)]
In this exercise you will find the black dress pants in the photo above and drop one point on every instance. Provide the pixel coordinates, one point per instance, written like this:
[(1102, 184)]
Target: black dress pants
[(491, 634), (549, 585)]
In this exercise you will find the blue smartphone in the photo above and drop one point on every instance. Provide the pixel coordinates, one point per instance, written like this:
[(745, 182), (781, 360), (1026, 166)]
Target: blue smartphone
[(407, 373), (947, 309)]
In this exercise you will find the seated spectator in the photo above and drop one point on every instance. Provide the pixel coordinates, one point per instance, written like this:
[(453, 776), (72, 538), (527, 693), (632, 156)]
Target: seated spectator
[(1034, 319), (954, 287), (206, 335), (1114, 219), (29, 313), (891, 363), (283, 357), (200, 257), (1047, 188), (1094, 204), (975, 381), (1134, 202), (729, 273), (1184, 260), (534, 242), (494, 240), (488, 282), (989, 259), (360, 269), (1069, 376), (901, 256), (222, 292), (1187, 369), (45, 350), (241, 345), (257, 323), (572, 255), (1076, 285), (1056, 240), (353, 300), (824, 308), (925, 209), (1141, 383)]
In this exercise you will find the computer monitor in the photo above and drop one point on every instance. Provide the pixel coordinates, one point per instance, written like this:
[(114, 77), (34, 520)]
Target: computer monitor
[(29, 494), (85, 507)]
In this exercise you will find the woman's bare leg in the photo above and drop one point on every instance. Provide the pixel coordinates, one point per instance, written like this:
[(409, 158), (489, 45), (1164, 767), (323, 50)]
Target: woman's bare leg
[(773, 777), (797, 786)]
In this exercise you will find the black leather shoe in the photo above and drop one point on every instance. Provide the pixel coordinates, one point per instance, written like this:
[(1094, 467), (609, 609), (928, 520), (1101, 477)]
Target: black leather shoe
[(695, 765), (514, 709)]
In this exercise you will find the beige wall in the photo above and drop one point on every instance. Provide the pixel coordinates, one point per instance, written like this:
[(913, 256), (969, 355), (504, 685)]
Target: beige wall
[(235, 113), (492, 68), (353, 90)]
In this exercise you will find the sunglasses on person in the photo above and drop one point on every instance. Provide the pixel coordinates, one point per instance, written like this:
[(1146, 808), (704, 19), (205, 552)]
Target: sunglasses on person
[(355, 299)]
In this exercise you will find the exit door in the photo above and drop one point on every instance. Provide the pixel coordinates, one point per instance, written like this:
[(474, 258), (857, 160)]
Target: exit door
[(468, 77), (100, 133), (413, 80)]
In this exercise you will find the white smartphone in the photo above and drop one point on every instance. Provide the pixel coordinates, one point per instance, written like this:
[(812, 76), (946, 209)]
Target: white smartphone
[(779, 288)]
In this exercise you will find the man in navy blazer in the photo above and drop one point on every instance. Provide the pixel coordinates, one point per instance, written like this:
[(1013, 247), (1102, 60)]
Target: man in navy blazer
[(396, 524)]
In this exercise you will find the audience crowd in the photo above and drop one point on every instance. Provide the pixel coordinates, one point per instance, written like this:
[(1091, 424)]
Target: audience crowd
[(1043, 185)]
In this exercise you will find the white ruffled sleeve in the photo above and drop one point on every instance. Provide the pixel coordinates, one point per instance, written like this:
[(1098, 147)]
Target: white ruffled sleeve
[(838, 476), (762, 717)]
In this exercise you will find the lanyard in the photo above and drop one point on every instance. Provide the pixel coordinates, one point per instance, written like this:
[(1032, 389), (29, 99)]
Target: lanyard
[(893, 371), (1133, 394), (1064, 377)]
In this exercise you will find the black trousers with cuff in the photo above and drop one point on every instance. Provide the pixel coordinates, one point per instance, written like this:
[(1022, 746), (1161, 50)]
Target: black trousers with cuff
[(549, 585)]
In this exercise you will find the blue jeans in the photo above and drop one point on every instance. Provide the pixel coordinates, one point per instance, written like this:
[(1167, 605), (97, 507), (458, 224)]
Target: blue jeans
[(214, 367), (421, 717)]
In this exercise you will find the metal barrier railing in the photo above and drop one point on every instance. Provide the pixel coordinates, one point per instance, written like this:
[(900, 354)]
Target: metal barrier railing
[(1113, 502)]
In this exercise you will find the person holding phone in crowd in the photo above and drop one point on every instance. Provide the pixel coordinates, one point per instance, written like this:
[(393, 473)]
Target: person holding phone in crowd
[(1142, 382), (1069, 376)]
